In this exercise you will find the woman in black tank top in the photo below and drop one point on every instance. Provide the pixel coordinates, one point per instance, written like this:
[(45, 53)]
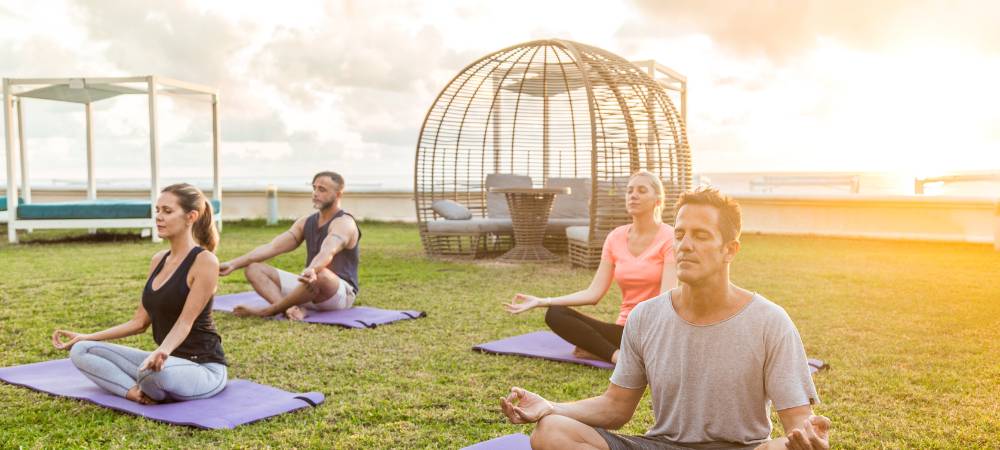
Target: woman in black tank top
[(189, 362)]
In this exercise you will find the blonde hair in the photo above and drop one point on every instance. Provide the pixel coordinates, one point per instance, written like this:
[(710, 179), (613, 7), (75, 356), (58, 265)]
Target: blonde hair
[(657, 186), (192, 199)]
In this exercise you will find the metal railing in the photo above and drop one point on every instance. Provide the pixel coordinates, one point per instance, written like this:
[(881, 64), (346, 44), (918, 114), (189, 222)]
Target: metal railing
[(919, 183), (768, 183)]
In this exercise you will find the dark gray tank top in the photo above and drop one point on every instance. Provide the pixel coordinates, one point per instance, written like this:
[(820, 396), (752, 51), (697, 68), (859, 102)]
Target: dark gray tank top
[(345, 262)]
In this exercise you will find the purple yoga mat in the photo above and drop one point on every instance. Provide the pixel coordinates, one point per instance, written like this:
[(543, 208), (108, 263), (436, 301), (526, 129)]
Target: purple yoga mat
[(356, 317), (509, 442), (816, 365), (540, 344), (240, 402)]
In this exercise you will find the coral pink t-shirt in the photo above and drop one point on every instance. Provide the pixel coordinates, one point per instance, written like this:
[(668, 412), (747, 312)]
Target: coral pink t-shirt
[(638, 277)]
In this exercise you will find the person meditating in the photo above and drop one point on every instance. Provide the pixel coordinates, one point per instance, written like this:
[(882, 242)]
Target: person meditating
[(715, 356), (189, 362), (330, 279), (638, 256)]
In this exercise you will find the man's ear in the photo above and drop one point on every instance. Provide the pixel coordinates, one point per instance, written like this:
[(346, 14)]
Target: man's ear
[(730, 250)]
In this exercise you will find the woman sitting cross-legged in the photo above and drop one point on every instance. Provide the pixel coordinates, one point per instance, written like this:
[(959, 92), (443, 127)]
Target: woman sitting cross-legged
[(638, 256), (177, 300)]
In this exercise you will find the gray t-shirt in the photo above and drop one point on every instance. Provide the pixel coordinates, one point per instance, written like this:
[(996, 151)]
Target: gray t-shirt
[(711, 383)]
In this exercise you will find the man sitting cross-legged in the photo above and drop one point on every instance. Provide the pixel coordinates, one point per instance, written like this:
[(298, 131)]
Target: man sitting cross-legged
[(330, 279), (716, 357)]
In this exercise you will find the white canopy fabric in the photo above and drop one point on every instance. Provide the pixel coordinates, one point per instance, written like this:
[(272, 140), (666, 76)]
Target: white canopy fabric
[(85, 94)]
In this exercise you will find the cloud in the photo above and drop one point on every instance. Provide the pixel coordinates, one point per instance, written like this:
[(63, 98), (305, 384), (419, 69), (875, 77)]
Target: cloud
[(345, 84), (783, 29), (165, 38), (370, 54)]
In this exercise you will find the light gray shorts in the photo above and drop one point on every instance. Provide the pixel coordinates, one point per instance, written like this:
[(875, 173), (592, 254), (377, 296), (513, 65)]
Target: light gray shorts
[(342, 299)]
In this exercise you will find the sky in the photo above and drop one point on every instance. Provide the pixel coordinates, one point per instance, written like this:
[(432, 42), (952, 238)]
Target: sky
[(906, 87)]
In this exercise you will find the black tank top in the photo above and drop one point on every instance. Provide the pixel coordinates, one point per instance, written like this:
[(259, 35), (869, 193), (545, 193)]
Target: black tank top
[(345, 262), (164, 305)]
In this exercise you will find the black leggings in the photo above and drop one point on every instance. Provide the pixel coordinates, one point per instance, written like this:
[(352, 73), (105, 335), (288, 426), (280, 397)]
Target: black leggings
[(588, 333)]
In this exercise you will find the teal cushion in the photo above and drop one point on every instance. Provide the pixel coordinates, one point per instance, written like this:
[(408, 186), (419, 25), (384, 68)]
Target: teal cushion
[(3, 202), (90, 209)]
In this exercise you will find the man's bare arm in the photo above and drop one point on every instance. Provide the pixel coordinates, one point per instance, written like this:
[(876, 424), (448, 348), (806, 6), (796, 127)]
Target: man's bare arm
[(803, 431), (282, 243), (610, 410)]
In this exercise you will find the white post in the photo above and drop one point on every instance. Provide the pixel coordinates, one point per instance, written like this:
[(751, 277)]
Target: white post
[(154, 158), (25, 181), (272, 204), (8, 117), (216, 184), (91, 179)]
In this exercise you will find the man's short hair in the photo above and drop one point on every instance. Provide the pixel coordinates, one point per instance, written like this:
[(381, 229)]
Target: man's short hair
[(730, 217), (333, 176)]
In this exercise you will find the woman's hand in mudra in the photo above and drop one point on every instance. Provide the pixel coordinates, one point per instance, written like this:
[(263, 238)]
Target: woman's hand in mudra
[(69, 337), (522, 303), (154, 361)]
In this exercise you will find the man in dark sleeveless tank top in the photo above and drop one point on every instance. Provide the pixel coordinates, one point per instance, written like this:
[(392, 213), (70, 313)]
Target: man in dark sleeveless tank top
[(330, 279)]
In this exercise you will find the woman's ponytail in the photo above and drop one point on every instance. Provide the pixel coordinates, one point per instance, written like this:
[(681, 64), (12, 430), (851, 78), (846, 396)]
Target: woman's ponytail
[(204, 229)]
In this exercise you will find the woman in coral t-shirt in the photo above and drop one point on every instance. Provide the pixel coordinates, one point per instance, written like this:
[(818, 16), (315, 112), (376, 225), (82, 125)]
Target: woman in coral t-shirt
[(639, 257)]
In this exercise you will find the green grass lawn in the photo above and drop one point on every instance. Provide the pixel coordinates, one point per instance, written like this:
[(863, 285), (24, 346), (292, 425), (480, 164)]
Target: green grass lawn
[(910, 329)]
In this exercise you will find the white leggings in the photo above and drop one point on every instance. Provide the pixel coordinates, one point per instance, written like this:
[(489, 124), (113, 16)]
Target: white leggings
[(115, 368)]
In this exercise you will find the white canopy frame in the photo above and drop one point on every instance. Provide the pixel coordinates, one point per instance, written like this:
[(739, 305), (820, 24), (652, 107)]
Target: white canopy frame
[(86, 91)]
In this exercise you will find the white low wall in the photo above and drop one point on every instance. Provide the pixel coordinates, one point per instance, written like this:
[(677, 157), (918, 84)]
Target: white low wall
[(936, 218), (390, 206), (955, 219)]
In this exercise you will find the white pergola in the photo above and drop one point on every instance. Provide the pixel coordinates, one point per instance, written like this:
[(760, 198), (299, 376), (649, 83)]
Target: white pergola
[(86, 91)]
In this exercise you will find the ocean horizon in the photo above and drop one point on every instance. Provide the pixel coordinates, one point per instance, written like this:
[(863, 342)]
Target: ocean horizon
[(813, 182)]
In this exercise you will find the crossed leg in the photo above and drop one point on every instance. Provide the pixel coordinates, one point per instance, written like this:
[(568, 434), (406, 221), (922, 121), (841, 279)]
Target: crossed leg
[(558, 432), (116, 369), (266, 280)]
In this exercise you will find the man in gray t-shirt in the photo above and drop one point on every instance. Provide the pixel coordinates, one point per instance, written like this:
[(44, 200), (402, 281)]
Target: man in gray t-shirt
[(715, 356)]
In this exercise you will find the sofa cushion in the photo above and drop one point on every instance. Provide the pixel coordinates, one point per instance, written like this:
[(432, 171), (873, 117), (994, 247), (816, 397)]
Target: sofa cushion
[(471, 226), (91, 209), (575, 204), (557, 225), (3, 202), (451, 210), (579, 234), (496, 203)]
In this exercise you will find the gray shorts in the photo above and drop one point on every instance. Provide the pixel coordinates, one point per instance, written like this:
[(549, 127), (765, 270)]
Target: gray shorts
[(621, 442)]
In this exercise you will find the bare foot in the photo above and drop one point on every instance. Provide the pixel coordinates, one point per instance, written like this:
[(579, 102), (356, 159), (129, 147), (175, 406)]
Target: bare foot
[(581, 353), (136, 395), (295, 313), (246, 311)]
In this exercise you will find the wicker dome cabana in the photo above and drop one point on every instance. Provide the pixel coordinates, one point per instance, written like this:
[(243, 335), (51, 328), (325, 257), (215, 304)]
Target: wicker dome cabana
[(546, 113)]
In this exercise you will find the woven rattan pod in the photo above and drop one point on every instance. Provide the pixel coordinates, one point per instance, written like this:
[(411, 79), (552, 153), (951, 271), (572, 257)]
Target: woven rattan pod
[(542, 114)]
